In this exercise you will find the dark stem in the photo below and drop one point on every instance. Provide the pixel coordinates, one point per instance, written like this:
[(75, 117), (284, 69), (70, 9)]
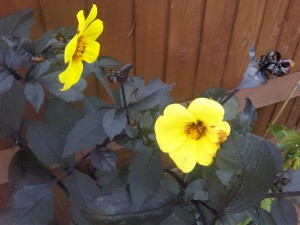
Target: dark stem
[(27, 76), (229, 96), (177, 178), (282, 194), (124, 102)]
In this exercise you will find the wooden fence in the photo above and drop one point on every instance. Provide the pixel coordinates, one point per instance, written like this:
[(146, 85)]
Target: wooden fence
[(196, 44)]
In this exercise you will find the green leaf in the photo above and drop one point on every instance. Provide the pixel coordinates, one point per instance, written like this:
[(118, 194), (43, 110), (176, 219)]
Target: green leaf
[(279, 131), (116, 208), (146, 97), (61, 115), (114, 121), (196, 190), (131, 131), (12, 105), (245, 119), (146, 171), (87, 132), (225, 175), (283, 212), (83, 190), (45, 142), (275, 152), (103, 159), (108, 62), (34, 93), (254, 168)]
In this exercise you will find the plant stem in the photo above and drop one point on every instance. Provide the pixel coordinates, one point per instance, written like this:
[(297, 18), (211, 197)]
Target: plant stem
[(283, 194), (282, 108), (229, 96), (124, 102)]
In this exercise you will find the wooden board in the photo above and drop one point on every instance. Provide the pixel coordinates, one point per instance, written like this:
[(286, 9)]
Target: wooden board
[(184, 37), (216, 34), (151, 25)]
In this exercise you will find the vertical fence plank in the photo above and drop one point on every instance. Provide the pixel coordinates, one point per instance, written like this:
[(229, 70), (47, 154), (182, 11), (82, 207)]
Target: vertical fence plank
[(246, 29), (294, 114), (287, 45), (117, 39), (151, 20), (183, 46), (267, 41), (217, 30)]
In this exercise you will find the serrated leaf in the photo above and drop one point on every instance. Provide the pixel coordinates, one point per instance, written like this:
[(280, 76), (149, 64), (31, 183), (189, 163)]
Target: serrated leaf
[(51, 82), (31, 205), (92, 104), (115, 208), (293, 185), (146, 171), (114, 121), (20, 46), (17, 24), (87, 132), (83, 190), (279, 131), (61, 115), (34, 93), (245, 119), (250, 157), (103, 159), (25, 170), (45, 142), (12, 105), (146, 120), (131, 131), (108, 62), (196, 190), (146, 97), (225, 175), (283, 212), (275, 152)]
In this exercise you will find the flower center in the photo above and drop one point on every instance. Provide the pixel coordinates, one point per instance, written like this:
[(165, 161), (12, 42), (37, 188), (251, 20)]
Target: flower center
[(80, 48), (195, 130)]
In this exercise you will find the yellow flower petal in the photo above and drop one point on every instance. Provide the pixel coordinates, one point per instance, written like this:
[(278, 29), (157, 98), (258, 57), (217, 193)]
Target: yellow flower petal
[(169, 133), (93, 31), (185, 157), (207, 110), (206, 146), (179, 113), (91, 52), (205, 159), (70, 49), (92, 15), (81, 21), (213, 132), (71, 75)]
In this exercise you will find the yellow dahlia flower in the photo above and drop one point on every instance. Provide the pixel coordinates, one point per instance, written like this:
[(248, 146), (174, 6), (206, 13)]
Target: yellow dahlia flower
[(192, 135), (82, 47)]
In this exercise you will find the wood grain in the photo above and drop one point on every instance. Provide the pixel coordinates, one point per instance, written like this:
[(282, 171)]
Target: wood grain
[(151, 25), (216, 35), (184, 37)]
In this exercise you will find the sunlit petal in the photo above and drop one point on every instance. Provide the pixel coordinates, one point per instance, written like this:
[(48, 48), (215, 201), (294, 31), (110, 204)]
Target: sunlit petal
[(93, 31), (91, 52), (70, 49), (207, 110), (169, 135), (81, 21), (179, 113), (71, 75), (206, 146), (185, 157), (92, 15)]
